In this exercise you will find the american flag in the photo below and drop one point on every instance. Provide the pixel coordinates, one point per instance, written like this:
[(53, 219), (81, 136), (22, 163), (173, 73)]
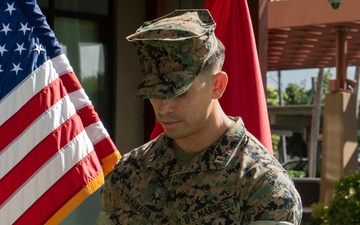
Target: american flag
[(54, 150)]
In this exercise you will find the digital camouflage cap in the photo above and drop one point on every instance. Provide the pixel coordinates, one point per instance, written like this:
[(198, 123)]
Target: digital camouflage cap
[(172, 50)]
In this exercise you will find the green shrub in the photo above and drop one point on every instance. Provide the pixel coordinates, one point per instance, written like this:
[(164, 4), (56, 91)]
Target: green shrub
[(296, 173), (344, 207), (319, 214)]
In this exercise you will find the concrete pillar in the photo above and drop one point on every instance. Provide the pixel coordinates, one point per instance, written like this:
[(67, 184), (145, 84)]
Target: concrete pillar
[(339, 152)]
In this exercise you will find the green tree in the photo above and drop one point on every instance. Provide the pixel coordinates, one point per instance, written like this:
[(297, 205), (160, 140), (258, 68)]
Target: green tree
[(325, 86), (272, 99), (297, 94), (272, 96), (296, 145)]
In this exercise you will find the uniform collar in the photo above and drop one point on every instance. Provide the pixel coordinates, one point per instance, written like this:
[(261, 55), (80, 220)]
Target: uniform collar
[(216, 156)]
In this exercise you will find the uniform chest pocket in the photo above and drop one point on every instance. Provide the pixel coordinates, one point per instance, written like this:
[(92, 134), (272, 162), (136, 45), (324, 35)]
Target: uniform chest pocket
[(219, 213)]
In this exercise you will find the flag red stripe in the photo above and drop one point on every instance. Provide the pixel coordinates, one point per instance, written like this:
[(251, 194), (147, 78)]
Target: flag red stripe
[(65, 188), (70, 81), (88, 115), (104, 148), (28, 113), (39, 156)]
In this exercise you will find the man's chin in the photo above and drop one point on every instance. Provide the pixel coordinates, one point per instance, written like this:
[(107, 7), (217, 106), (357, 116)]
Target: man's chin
[(172, 134)]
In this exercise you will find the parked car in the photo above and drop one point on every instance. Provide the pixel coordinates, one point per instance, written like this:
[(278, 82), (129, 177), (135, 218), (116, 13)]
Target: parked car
[(300, 164), (297, 168)]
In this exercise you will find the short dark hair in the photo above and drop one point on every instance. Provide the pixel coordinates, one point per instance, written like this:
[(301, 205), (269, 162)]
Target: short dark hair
[(216, 60)]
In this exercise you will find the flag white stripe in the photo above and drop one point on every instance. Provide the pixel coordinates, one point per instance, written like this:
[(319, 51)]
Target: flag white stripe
[(36, 81), (62, 67), (79, 99), (61, 64), (43, 126), (96, 132), (50, 173)]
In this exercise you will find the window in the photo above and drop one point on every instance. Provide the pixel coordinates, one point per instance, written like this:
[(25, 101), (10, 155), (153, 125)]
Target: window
[(85, 50), (84, 34)]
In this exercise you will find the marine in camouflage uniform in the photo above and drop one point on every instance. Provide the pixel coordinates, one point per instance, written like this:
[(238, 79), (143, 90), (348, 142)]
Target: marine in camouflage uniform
[(234, 180)]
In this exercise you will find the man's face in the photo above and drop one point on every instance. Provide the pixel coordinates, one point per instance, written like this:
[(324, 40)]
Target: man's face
[(186, 115)]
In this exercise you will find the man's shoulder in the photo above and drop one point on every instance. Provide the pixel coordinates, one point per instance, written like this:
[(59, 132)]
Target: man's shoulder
[(268, 223), (142, 152)]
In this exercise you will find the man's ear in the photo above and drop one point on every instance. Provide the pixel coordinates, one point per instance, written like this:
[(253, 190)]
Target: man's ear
[(220, 83)]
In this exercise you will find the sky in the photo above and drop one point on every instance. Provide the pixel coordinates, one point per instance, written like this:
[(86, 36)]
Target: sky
[(297, 76)]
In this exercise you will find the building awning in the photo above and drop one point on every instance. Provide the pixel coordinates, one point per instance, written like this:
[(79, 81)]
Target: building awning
[(302, 33)]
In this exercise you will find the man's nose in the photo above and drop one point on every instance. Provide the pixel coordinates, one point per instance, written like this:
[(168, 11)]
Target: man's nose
[(163, 106)]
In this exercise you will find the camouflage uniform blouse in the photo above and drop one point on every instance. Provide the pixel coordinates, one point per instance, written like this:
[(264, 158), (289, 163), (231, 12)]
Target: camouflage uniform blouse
[(233, 181)]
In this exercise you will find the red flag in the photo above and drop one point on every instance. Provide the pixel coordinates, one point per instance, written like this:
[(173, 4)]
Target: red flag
[(54, 150), (244, 95)]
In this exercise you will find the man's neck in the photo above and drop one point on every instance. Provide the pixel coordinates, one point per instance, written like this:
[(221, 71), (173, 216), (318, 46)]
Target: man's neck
[(207, 136)]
